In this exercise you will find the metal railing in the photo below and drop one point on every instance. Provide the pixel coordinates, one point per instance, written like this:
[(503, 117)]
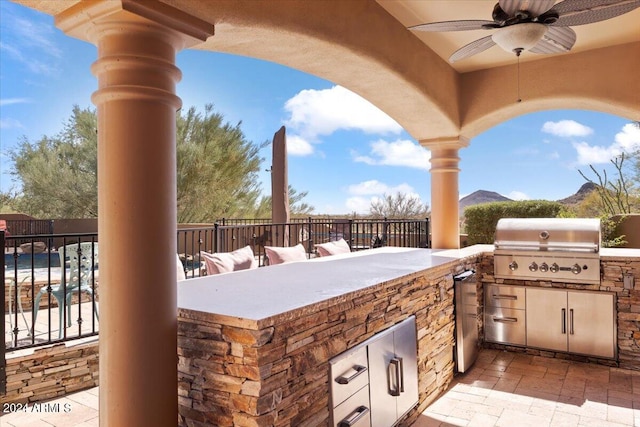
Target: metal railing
[(39, 277), (358, 233), (42, 304)]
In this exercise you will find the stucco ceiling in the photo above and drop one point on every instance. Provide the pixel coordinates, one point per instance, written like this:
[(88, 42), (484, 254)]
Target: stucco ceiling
[(619, 30), (365, 46)]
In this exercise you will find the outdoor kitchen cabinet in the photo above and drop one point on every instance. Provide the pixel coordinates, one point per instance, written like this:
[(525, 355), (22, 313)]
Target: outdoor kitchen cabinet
[(578, 321), (393, 373), (376, 383)]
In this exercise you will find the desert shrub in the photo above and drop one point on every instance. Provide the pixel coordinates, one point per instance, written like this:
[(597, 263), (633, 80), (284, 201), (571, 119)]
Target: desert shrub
[(481, 219)]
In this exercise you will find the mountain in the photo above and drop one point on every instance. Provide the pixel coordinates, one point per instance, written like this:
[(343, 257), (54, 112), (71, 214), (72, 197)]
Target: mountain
[(582, 193), (481, 196)]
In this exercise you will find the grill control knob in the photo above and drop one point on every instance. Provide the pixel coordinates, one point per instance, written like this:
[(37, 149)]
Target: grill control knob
[(513, 266), (576, 269), (544, 267), (533, 266), (554, 268)]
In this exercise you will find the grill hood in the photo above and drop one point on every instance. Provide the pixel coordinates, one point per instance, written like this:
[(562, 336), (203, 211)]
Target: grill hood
[(548, 234)]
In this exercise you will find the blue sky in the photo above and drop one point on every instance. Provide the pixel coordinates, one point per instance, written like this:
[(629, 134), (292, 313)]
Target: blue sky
[(342, 150)]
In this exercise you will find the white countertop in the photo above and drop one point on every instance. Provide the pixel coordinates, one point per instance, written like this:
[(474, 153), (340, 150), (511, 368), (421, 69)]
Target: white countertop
[(265, 292)]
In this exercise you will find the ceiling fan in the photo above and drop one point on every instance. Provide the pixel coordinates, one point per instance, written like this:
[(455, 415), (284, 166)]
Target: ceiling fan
[(538, 26)]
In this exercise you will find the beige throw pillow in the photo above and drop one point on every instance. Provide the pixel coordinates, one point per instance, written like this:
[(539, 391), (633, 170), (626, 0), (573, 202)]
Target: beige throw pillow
[(225, 262), (280, 255), (333, 248)]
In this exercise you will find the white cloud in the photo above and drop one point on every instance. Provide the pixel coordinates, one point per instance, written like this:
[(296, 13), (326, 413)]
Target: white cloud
[(363, 194), (11, 101), (297, 146), (518, 195), (359, 204), (627, 140), (9, 123), (401, 152), (322, 112), (31, 42), (566, 128), (376, 187)]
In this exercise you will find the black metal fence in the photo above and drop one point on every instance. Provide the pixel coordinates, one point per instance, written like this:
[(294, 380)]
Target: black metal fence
[(50, 282), (358, 233)]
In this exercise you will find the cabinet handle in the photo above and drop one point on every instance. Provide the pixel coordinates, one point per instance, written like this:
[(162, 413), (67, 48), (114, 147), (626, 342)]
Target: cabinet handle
[(359, 370), (564, 320), (503, 296), (354, 417), (505, 319), (398, 374), (571, 321)]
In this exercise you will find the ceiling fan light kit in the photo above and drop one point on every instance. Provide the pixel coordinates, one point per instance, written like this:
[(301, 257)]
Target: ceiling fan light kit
[(517, 38), (538, 26)]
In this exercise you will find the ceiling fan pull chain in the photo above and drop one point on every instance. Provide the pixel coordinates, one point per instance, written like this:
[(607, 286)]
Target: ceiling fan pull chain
[(518, 56)]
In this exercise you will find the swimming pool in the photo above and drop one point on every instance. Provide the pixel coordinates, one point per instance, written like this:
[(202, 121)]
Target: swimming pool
[(24, 261)]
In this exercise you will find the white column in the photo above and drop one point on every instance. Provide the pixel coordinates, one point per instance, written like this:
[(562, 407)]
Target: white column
[(136, 104), (445, 223)]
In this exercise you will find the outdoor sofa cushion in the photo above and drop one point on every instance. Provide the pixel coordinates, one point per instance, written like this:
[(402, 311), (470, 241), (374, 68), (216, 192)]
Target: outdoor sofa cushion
[(225, 262), (179, 269), (280, 255), (333, 248)]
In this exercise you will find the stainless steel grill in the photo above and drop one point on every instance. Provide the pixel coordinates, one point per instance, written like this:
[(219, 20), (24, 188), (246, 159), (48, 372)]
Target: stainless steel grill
[(553, 249)]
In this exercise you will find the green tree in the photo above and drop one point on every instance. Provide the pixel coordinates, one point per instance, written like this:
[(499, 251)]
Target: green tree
[(297, 207), (399, 205), (217, 169), (58, 175)]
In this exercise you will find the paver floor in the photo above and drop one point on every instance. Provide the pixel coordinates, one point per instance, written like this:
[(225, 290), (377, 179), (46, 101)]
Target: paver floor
[(501, 389), (518, 390)]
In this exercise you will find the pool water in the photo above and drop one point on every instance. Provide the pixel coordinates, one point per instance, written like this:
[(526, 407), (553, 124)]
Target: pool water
[(24, 261)]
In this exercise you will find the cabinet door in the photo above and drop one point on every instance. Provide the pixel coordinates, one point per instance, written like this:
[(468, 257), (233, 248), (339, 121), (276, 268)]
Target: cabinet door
[(591, 323), (405, 343), (547, 319), (381, 381)]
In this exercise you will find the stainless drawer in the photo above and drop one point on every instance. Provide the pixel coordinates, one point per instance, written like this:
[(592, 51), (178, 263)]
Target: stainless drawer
[(505, 325), (504, 296), (349, 373), (355, 411)]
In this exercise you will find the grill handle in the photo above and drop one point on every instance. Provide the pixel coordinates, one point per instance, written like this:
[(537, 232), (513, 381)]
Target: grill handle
[(354, 372), (556, 246), (503, 296), (354, 417), (505, 319)]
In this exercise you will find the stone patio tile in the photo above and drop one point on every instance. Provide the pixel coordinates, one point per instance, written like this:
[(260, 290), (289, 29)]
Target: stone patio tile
[(620, 414), (535, 393), (511, 418), (597, 422), (87, 399), (519, 370), (455, 421), (562, 419), (506, 385), (445, 406), (426, 421), (465, 397), (481, 408), (549, 386), (483, 420)]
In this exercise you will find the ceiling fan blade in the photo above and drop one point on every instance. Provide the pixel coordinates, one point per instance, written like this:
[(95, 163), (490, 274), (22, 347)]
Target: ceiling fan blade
[(534, 7), (555, 40), (453, 25), (581, 12), (472, 48)]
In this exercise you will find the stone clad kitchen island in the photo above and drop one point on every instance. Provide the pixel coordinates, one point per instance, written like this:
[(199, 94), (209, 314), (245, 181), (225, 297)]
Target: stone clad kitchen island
[(254, 346)]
